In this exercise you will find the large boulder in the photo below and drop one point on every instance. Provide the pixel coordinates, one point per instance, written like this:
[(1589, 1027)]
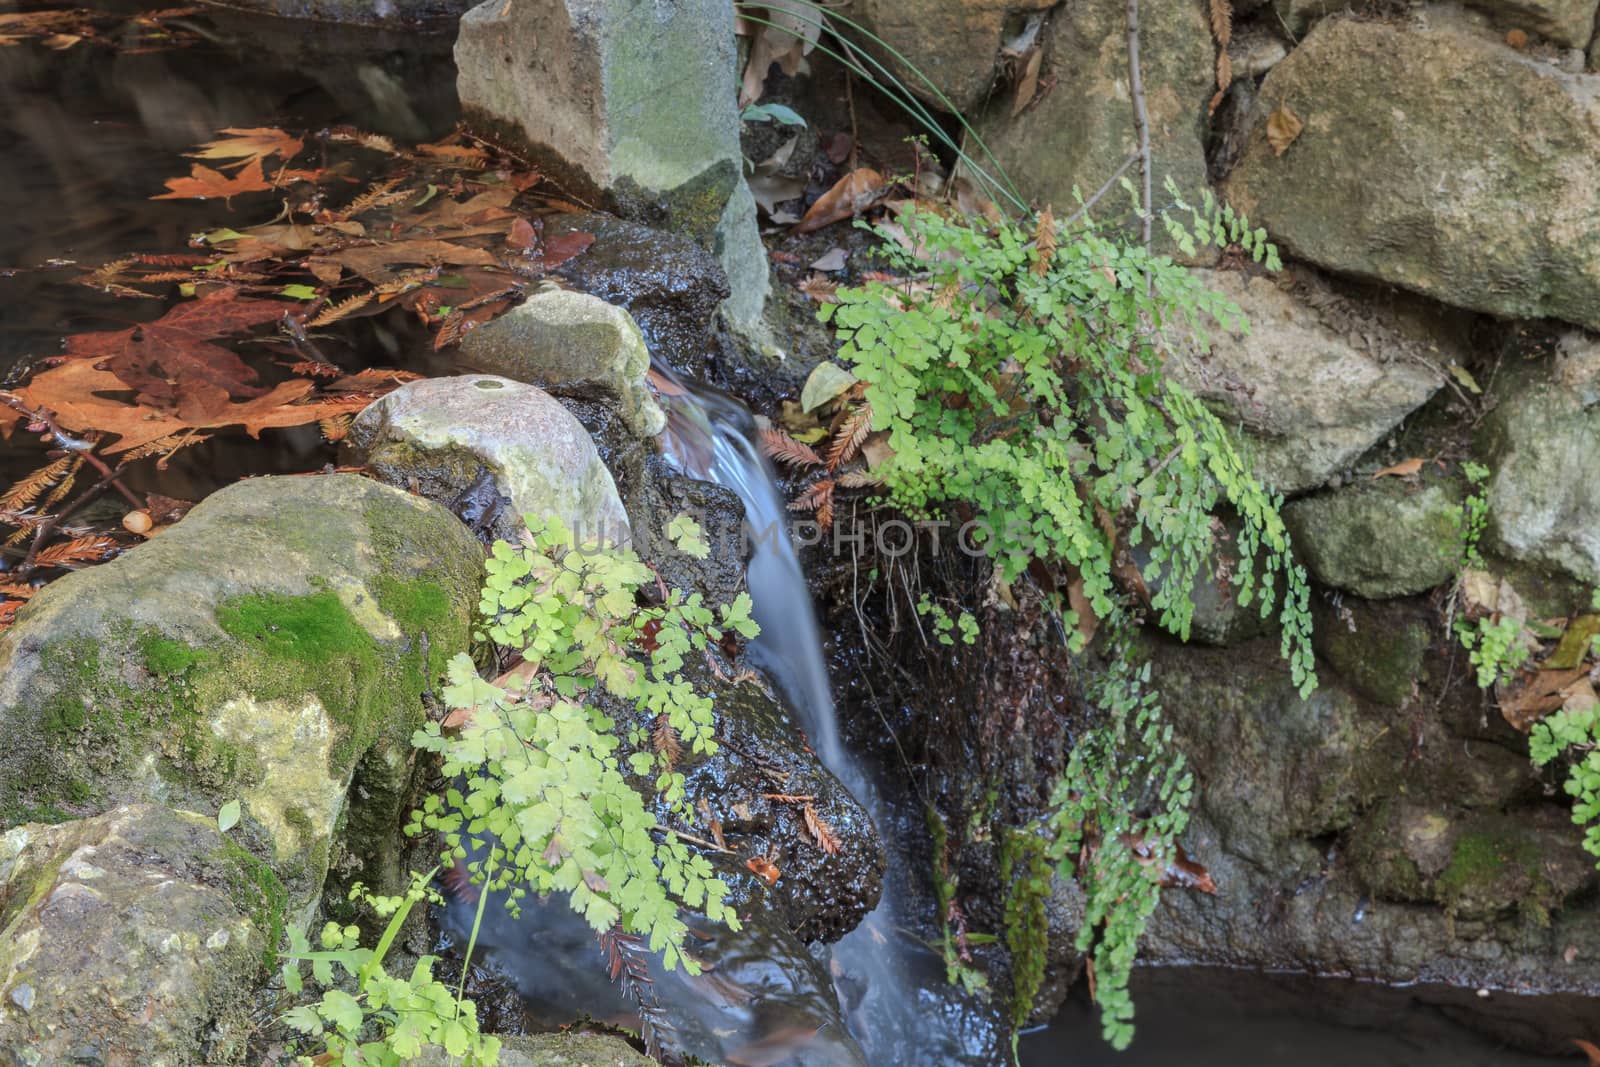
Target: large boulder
[(954, 44), (1380, 539), (631, 105), (272, 648), (1540, 441), (1437, 159), (571, 344), (1321, 376), (442, 436), (1568, 23), (1082, 131), (131, 937)]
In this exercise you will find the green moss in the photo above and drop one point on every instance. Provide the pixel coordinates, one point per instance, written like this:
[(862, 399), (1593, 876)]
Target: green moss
[(1491, 871), (164, 657), (316, 629), (260, 894)]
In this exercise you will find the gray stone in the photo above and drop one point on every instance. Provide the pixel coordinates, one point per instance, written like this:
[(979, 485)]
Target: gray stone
[(1569, 23), (571, 344), (1320, 377), (1434, 159), (1298, 16), (271, 648), (440, 435), (131, 937), (955, 44), (1379, 539), (1541, 441), (571, 1049), (1081, 132), (1377, 648), (630, 103)]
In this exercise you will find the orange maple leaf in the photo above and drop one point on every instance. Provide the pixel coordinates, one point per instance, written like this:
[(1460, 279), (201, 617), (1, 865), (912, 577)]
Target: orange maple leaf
[(204, 183)]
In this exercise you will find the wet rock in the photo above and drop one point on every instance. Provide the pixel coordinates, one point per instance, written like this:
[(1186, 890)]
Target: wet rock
[(1380, 538), (131, 937), (570, 344), (271, 648), (386, 13), (1539, 440), (1081, 132), (1476, 188), (570, 1049), (1320, 377), (954, 44), (630, 106), (437, 436), (1569, 23), (721, 575), (670, 285)]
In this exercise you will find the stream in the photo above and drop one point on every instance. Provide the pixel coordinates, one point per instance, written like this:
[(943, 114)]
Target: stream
[(87, 135)]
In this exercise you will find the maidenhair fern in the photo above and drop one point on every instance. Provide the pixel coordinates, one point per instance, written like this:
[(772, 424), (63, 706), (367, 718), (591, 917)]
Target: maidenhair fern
[(545, 799), (1019, 374)]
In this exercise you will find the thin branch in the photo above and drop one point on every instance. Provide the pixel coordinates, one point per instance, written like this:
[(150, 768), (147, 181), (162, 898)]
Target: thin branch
[(1141, 117), (1133, 157), (71, 444)]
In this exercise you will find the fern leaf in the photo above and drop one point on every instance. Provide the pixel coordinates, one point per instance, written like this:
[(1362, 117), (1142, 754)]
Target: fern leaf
[(164, 447), (335, 312), (860, 479), (28, 489), (814, 498), (821, 832), (337, 427), (1222, 22), (1224, 71), (1044, 242), (785, 449), (664, 739), (77, 550), (17, 590), (64, 486), (852, 434)]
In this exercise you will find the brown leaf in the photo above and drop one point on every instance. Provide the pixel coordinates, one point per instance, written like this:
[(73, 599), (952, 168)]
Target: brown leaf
[(564, 246), (26, 490), (664, 739), (1028, 83), (335, 312), (171, 360), (1525, 702), (1222, 21), (1045, 240), (255, 143), (1283, 126), (776, 1047), (850, 196), (203, 183), (78, 550), (375, 262), (764, 869), (1406, 468), (521, 234), (454, 153)]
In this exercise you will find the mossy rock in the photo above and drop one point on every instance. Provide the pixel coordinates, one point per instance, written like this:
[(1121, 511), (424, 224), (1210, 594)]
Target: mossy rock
[(1380, 539), (1378, 648), (132, 937), (570, 1049), (271, 648)]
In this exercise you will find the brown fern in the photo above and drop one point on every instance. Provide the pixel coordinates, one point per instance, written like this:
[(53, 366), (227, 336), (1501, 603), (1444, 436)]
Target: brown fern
[(859, 479), (17, 590), (28, 489), (335, 312), (164, 447), (64, 486), (846, 444), (78, 550), (664, 739), (337, 427), (818, 498), (1044, 241), (785, 449), (821, 832), (179, 259), (370, 199), (628, 964), (1222, 22)]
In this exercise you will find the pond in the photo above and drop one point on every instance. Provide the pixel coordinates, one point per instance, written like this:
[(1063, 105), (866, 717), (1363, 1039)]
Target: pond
[(89, 131)]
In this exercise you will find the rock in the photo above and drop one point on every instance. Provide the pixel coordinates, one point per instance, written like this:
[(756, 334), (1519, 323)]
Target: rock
[(569, 1049), (1298, 16), (1378, 649), (1538, 441), (671, 286), (630, 106), (271, 648), (1380, 538), (440, 435), (1320, 377), (954, 44), (385, 13), (1569, 23), (570, 344), (131, 937), (1081, 132), (1435, 160)]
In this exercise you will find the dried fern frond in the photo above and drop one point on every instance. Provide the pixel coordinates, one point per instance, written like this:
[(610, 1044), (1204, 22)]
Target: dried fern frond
[(819, 499), (860, 479), (335, 312), (64, 486), (372, 378), (78, 550), (375, 141), (664, 739), (821, 832), (1224, 71), (336, 428), (164, 447), (851, 436), (17, 590), (1222, 22), (785, 449), (1045, 240), (28, 489)]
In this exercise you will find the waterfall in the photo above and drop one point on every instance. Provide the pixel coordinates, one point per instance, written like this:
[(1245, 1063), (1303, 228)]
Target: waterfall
[(892, 988)]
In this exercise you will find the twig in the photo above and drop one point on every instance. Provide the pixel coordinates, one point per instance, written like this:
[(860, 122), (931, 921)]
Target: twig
[(1133, 157), (693, 840), (1141, 116)]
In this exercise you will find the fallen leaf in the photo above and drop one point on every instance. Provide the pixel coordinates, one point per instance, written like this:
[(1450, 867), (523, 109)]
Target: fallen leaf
[(246, 144), (1028, 83), (1283, 126), (822, 289), (777, 1047), (833, 259), (1589, 1049), (770, 190), (825, 382), (564, 246), (1525, 702), (204, 183), (172, 360), (764, 869), (850, 196), (1406, 468), (821, 832), (376, 262), (1465, 378)]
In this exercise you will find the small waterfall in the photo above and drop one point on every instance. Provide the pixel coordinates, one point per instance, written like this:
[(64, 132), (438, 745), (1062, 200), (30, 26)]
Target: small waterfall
[(892, 988)]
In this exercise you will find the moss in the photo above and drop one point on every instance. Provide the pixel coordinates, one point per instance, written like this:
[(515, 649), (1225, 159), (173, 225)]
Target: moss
[(164, 657), (316, 629), (259, 894), (1489, 872)]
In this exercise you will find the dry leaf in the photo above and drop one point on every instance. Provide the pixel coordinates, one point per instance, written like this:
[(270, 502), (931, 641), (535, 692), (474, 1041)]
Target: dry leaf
[(1524, 703), (203, 183), (1028, 83), (255, 143), (1283, 126), (821, 832), (849, 197), (764, 869), (785, 449), (1406, 468)]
